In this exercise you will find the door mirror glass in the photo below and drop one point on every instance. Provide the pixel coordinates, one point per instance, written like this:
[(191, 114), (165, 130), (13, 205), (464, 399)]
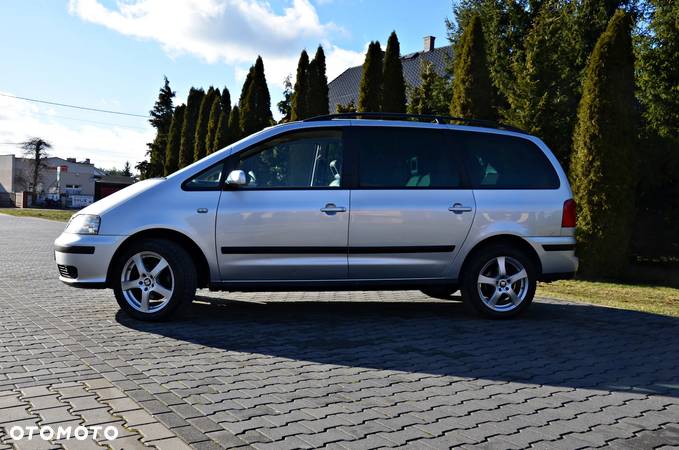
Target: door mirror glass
[(236, 178)]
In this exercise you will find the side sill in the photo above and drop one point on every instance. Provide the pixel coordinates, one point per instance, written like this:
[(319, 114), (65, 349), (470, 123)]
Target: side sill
[(329, 285)]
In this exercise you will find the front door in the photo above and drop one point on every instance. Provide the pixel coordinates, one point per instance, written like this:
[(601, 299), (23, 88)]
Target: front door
[(291, 221), (410, 211)]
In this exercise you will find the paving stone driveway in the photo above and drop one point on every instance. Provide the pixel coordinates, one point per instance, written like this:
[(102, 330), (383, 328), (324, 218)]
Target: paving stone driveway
[(342, 370)]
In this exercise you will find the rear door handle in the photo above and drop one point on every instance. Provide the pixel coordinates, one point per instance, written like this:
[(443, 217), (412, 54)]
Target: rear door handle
[(457, 208), (330, 208)]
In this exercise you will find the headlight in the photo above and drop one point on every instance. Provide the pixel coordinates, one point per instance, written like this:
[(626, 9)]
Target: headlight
[(83, 224)]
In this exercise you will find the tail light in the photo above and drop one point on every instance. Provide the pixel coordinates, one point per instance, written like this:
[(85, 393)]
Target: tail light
[(568, 218)]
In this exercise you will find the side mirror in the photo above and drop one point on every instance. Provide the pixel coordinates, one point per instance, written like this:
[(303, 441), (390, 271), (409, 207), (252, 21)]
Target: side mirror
[(236, 178)]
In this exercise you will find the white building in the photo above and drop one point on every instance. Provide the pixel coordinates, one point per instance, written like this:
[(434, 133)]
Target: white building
[(76, 177)]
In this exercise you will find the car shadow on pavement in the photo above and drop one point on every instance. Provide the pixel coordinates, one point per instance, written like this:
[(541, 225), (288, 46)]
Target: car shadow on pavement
[(557, 344)]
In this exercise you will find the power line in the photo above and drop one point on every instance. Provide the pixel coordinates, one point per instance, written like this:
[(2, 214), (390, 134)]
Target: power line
[(74, 106), (88, 121)]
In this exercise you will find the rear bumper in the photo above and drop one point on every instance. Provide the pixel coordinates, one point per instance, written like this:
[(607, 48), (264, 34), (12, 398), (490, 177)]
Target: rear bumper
[(557, 256), (83, 260)]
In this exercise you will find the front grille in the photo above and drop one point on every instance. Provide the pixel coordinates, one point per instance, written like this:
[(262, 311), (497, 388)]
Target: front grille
[(68, 271)]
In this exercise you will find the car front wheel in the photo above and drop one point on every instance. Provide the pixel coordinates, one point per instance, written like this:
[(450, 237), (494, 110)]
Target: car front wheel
[(153, 279), (499, 281)]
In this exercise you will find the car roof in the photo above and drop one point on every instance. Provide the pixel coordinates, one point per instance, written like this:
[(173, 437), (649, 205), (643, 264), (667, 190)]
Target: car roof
[(432, 119)]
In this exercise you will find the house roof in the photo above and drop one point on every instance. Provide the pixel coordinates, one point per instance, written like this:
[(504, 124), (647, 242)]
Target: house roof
[(344, 88)]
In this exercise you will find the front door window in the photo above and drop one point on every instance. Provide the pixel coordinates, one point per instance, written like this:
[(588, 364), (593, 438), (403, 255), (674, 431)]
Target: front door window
[(303, 160)]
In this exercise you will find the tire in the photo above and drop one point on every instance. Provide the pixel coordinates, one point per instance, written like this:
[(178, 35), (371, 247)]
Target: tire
[(166, 289), (503, 298), (440, 292)]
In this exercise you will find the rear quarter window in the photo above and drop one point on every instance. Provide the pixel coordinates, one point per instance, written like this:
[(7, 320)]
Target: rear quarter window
[(496, 161)]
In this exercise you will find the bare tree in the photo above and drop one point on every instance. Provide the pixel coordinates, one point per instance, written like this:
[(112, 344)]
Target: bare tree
[(36, 149)]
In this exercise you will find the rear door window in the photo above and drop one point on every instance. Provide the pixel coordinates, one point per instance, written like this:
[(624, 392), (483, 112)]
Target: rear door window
[(405, 158), (497, 161)]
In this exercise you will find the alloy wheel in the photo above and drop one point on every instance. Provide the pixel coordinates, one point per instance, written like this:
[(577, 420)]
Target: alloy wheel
[(503, 283), (147, 282)]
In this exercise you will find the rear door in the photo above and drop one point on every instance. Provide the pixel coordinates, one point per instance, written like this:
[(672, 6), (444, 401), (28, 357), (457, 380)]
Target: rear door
[(410, 208)]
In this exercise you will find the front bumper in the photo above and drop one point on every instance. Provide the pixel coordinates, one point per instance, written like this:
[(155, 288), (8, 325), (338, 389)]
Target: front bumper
[(83, 260)]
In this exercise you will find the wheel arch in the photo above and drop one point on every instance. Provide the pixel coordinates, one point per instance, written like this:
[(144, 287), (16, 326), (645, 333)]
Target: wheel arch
[(510, 239), (197, 255)]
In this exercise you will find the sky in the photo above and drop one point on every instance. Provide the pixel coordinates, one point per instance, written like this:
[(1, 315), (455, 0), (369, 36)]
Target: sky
[(113, 55)]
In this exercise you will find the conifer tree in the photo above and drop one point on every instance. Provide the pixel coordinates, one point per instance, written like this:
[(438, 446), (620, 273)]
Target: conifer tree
[(300, 101), (235, 133), (602, 168), (212, 124), (188, 138), (545, 97), (222, 132), (370, 88), (348, 108), (246, 86), (318, 85), (255, 114), (657, 222), (394, 85), (432, 96), (200, 143), (505, 25), (161, 118), (220, 139), (225, 103), (285, 105), (659, 70), (472, 89), (174, 141)]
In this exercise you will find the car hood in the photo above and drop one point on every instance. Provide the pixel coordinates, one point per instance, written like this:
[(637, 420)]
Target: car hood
[(100, 207)]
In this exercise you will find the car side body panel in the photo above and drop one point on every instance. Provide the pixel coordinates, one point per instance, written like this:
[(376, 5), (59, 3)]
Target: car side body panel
[(374, 218), (407, 233)]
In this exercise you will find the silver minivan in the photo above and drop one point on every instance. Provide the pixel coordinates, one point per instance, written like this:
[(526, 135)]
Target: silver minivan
[(339, 202)]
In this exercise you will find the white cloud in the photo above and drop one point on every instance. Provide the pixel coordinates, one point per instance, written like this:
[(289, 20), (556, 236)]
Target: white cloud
[(339, 60), (107, 144), (229, 31)]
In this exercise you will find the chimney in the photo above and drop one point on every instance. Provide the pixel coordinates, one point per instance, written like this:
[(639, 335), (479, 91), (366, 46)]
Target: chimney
[(70, 160), (87, 160), (429, 43)]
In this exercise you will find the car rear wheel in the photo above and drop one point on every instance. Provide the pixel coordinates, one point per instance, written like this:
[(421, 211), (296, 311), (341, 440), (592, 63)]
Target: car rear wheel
[(499, 281), (153, 279)]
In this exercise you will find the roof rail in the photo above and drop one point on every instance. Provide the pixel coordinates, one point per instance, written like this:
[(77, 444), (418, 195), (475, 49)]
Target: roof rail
[(417, 118)]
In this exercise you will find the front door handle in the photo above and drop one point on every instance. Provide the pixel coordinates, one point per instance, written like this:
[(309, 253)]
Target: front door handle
[(457, 208), (330, 208)]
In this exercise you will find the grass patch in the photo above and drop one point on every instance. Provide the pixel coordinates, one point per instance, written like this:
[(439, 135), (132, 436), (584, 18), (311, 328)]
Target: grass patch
[(51, 214), (650, 299)]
